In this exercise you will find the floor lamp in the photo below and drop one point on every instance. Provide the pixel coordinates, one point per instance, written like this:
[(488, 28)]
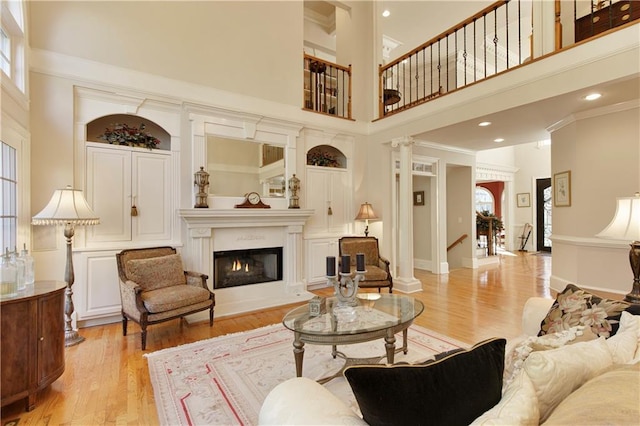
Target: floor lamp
[(625, 225), (69, 208), (366, 213)]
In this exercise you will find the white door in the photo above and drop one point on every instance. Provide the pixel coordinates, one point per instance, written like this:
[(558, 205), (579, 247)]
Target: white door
[(151, 192), (109, 193)]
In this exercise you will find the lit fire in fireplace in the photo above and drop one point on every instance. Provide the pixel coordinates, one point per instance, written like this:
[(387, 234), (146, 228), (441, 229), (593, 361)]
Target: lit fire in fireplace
[(237, 266)]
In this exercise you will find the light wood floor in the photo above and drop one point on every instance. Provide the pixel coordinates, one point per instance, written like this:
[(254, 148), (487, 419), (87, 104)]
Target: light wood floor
[(106, 380)]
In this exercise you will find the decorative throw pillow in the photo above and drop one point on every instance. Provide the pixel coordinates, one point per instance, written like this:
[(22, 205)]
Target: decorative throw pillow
[(575, 306), (558, 372), (452, 391), (156, 272), (518, 405), (624, 344), (611, 398), (517, 355)]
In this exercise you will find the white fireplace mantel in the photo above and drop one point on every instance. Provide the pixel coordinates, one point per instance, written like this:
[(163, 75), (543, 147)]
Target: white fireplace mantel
[(243, 218), (211, 230)]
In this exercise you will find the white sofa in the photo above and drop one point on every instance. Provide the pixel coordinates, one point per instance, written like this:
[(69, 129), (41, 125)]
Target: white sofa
[(547, 379)]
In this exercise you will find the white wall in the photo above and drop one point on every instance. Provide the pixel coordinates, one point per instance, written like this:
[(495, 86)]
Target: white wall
[(422, 224), (460, 217), (601, 148), (201, 42)]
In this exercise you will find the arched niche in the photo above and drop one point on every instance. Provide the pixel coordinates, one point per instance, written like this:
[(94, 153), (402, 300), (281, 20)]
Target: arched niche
[(326, 156), (97, 127)]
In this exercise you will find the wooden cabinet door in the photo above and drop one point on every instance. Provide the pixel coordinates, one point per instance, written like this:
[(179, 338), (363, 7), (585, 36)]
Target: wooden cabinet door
[(338, 195), (151, 189), (50, 338), (318, 250), (318, 182), (109, 193), (17, 331)]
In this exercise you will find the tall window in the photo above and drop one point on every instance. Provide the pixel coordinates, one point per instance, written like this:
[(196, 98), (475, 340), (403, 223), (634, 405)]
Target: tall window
[(5, 53), (484, 200), (9, 213), (12, 42)]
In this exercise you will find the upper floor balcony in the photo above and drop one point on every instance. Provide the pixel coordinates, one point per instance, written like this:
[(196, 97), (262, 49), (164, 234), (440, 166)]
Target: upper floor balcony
[(504, 36)]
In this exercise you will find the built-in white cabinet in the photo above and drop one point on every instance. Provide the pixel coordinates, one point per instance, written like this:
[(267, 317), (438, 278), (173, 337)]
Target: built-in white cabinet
[(330, 192), (130, 190), (319, 249)]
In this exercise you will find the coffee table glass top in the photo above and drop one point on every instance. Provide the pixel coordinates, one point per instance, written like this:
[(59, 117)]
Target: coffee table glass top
[(374, 312)]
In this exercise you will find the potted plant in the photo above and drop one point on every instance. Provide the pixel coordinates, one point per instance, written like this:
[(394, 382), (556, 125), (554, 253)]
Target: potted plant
[(122, 134)]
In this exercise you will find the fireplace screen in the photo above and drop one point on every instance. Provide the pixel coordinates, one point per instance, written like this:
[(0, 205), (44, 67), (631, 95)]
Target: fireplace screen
[(242, 267)]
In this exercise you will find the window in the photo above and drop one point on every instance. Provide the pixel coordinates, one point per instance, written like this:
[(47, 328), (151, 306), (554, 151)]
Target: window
[(8, 182), (12, 40), (484, 200), (5, 53)]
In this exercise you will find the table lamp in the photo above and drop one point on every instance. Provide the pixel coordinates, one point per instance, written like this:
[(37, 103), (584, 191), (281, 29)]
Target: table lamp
[(67, 207), (625, 225), (366, 213)]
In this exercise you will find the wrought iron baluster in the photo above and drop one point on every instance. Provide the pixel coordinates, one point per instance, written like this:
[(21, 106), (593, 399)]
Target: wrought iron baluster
[(475, 54), (495, 41), (484, 42), (464, 53)]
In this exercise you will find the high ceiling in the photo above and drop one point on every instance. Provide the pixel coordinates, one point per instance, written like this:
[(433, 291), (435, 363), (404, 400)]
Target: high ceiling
[(528, 123), (413, 22)]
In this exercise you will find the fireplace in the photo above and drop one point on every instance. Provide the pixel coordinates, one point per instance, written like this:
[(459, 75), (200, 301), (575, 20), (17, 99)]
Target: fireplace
[(232, 268)]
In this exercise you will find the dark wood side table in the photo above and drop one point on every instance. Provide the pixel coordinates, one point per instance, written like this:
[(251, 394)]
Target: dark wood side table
[(32, 341)]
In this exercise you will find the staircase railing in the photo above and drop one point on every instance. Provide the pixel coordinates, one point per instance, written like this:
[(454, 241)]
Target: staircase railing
[(327, 87), (458, 241)]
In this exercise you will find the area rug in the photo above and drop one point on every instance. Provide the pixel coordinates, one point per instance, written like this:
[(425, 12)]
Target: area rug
[(224, 380)]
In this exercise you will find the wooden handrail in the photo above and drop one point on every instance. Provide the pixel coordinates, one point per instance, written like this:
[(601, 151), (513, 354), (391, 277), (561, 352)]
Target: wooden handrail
[(458, 241), (327, 87), (446, 33)]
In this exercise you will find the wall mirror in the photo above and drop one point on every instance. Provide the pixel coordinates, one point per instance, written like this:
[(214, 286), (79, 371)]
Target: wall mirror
[(237, 167)]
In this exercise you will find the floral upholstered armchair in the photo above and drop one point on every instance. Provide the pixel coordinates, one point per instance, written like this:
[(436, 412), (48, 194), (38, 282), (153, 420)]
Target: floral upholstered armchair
[(377, 267), (155, 288)]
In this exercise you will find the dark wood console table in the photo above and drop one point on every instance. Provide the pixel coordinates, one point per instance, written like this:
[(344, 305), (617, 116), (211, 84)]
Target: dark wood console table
[(32, 341)]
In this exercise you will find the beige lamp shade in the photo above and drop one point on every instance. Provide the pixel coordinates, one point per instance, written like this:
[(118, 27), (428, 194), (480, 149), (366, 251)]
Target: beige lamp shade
[(366, 213), (625, 225), (67, 206)]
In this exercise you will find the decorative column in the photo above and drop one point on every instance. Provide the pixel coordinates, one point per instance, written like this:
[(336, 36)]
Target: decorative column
[(405, 282), (293, 260)]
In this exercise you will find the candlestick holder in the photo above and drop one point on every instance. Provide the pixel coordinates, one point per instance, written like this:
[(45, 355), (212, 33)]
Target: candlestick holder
[(346, 290)]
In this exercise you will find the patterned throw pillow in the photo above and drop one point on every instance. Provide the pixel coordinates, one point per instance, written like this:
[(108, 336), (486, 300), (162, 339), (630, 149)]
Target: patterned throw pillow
[(156, 272), (575, 306)]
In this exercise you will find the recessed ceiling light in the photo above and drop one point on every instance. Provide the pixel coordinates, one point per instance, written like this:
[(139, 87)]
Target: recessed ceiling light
[(592, 96), (484, 124), (499, 140), (386, 13)]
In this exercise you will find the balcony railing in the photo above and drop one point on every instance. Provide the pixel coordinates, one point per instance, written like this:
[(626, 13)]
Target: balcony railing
[(493, 41), (488, 43), (327, 87)]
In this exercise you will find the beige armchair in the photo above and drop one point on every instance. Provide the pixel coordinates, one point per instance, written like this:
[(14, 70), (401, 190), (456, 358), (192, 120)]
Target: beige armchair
[(378, 273), (154, 288)]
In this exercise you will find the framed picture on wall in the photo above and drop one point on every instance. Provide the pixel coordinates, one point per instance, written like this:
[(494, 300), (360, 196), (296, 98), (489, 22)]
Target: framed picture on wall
[(524, 199), (418, 198), (562, 189)]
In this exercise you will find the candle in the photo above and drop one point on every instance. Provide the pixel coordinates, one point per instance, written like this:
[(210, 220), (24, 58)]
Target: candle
[(360, 262), (346, 264), (331, 266)]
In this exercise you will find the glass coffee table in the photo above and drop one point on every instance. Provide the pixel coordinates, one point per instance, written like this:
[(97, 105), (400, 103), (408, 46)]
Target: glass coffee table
[(377, 316)]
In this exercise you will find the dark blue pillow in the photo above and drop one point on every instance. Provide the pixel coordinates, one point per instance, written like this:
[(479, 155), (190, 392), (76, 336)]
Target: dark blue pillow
[(454, 390)]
